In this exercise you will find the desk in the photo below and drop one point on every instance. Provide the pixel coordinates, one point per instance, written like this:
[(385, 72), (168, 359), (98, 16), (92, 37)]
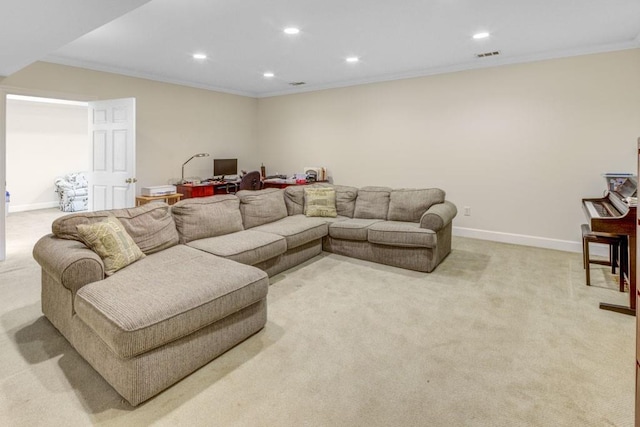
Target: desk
[(207, 189), (168, 198), (283, 183)]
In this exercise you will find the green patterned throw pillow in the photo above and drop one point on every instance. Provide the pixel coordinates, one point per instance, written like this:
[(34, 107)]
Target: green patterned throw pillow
[(320, 202), (111, 242)]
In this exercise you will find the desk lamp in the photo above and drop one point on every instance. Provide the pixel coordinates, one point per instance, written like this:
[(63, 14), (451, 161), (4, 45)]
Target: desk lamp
[(191, 158)]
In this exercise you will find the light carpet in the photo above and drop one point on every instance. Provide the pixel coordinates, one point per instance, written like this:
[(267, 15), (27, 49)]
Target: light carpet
[(497, 335)]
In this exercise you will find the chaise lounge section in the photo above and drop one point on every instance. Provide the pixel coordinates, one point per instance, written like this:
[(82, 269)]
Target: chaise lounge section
[(154, 322)]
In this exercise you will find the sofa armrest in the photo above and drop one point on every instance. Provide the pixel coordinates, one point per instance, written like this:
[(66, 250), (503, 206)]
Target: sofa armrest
[(438, 216), (69, 262)]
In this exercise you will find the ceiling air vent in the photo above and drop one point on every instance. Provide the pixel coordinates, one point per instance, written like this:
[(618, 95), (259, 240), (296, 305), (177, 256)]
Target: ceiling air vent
[(297, 83), (485, 54)]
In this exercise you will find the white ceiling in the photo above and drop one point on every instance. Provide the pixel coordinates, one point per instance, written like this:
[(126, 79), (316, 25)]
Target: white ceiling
[(394, 39), (30, 29)]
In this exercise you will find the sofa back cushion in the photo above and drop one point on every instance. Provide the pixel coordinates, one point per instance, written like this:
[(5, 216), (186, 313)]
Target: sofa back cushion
[(345, 198), (408, 204), (294, 199), (203, 217), (151, 226), (372, 203), (261, 207)]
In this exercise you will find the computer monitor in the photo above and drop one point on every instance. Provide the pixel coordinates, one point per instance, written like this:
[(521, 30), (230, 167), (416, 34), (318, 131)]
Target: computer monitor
[(222, 167)]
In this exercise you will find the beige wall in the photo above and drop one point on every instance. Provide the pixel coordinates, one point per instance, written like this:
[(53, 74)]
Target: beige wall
[(173, 122), (519, 144)]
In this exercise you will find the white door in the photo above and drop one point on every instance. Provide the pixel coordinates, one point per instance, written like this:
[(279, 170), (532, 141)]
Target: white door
[(112, 129)]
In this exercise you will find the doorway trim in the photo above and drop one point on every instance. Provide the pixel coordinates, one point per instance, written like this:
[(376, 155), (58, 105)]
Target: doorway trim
[(3, 172)]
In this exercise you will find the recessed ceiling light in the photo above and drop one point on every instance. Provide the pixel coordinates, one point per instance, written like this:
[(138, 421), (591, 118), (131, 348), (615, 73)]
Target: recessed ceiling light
[(291, 30), (199, 56), (479, 36), (352, 59), (268, 74)]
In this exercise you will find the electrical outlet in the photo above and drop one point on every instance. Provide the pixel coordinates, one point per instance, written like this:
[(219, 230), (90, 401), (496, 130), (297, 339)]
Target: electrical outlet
[(467, 211)]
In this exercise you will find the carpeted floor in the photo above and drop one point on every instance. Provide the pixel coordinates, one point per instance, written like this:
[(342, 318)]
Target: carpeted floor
[(498, 335)]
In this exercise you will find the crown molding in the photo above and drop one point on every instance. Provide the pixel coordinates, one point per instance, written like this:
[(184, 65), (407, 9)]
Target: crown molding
[(479, 63), (141, 75)]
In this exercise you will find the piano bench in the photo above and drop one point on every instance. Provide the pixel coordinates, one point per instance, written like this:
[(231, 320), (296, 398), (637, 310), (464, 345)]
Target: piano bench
[(617, 252)]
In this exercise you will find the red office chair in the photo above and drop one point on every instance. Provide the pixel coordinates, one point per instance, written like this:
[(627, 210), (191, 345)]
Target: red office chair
[(251, 181)]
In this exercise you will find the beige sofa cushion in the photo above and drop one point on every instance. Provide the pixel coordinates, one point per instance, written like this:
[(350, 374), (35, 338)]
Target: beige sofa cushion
[(167, 296), (403, 234), (151, 225), (203, 217), (352, 229), (294, 199), (247, 246), (261, 207), (372, 203), (409, 204), (346, 200), (297, 229)]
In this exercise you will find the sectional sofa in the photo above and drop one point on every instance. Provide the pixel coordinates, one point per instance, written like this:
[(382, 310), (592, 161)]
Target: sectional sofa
[(149, 294)]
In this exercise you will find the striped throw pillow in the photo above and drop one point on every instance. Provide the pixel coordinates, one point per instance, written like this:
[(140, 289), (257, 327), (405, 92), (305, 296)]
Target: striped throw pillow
[(320, 202), (111, 242)]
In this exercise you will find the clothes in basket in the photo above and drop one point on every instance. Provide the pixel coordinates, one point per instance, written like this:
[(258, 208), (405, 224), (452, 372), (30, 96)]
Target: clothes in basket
[(73, 191)]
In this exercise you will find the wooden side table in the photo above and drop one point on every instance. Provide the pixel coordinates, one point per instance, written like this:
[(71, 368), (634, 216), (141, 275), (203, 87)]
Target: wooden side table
[(170, 199)]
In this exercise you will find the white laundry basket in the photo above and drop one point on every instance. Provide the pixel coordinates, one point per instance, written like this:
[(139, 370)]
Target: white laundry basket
[(73, 192)]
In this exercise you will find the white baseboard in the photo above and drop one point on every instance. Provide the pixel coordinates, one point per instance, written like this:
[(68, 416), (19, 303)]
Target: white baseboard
[(520, 239), (32, 206)]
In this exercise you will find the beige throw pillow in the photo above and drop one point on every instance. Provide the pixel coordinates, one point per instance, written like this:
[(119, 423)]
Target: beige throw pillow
[(320, 202), (111, 242)]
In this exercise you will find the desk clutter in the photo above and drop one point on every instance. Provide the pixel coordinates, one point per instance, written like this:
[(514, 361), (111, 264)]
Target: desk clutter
[(231, 183), (310, 174), (315, 174), (195, 182), (158, 190)]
